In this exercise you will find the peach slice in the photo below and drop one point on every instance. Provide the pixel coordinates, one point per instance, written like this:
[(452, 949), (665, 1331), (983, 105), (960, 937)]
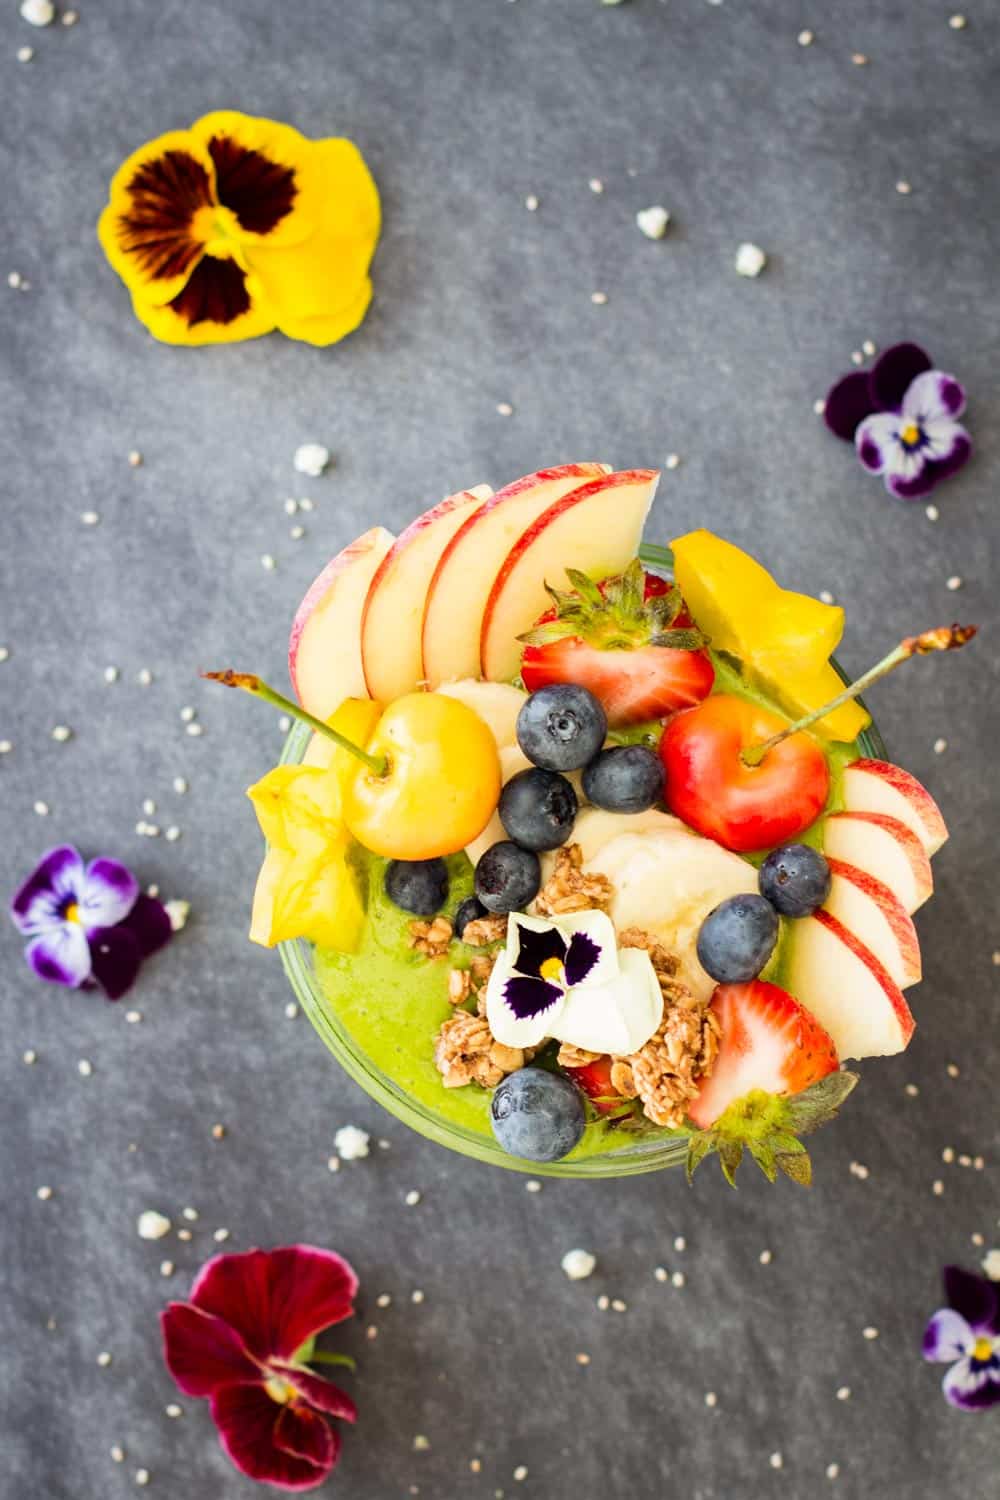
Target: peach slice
[(394, 606), (880, 787), (463, 577), (834, 975), (596, 529), (324, 651), (883, 847), (874, 914)]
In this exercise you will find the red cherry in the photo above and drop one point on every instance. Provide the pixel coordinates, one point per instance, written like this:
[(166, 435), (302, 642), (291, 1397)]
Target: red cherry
[(743, 808)]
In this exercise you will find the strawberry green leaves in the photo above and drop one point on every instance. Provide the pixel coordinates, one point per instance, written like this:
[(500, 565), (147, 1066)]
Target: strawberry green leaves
[(620, 613)]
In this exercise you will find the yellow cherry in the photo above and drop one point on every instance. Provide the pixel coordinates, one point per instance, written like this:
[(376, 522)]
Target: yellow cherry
[(438, 784), (355, 719)]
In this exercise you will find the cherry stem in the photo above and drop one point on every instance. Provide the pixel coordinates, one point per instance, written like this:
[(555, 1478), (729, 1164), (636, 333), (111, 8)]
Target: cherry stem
[(250, 683), (944, 638)]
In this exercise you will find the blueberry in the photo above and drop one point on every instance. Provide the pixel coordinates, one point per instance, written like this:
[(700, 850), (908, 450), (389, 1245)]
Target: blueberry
[(470, 911), (538, 809), (537, 1115), (507, 877), (626, 779), (795, 879), (561, 727), (417, 885), (737, 939)]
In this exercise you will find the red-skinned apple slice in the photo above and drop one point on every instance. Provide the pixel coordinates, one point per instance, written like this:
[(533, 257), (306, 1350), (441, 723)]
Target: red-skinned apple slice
[(845, 987), (880, 787), (324, 651), (463, 577), (874, 914), (394, 606), (596, 529), (883, 847)]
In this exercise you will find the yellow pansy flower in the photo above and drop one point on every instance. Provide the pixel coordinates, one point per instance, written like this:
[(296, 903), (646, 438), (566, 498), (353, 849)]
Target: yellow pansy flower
[(240, 225)]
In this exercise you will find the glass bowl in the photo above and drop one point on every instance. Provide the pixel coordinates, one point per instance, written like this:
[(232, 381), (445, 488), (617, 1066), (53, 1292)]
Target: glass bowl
[(647, 1154)]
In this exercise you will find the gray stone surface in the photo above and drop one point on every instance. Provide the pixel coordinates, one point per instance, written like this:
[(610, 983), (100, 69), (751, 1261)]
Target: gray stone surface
[(462, 109)]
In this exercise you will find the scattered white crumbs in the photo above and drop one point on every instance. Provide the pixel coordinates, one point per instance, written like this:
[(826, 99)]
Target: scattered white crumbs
[(678, 1279), (291, 1010), (191, 1214), (832, 1471), (172, 834), (653, 221), (412, 1198), (29, 1056), (948, 1154), (152, 1225), (85, 1067), (371, 1332), (903, 187), (596, 185), (531, 203), (220, 1236), (750, 259), (104, 1359), (603, 1303), (859, 1170), (991, 1264), (765, 1257), (4, 653), (178, 912), (44, 1193), (42, 809), (296, 533), (578, 1264), (911, 1090), (954, 582), (268, 563), (111, 674), (144, 677), (149, 807), (383, 1300), (61, 733), (825, 597), (184, 1234), (805, 38), (6, 747), (284, 724), (38, 12), (173, 1410), (420, 1443), (680, 1243), (617, 1305), (532, 1186), (311, 459), (661, 1273), (417, 1296), (24, 55), (166, 1268), (89, 517), (306, 505), (520, 1473), (134, 457), (952, 1070), (711, 1399), (14, 280), (141, 1477), (117, 1453), (931, 512), (218, 1131), (940, 745), (351, 1143), (672, 461), (194, 729), (333, 1163), (776, 1461), (937, 1187), (977, 1240), (843, 1393), (583, 1359), (859, 59), (869, 1332), (291, 506), (188, 713), (180, 785), (957, 22), (819, 406), (599, 298), (147, 830), (978, 1164), (965, 1160), (504, 409), (857, 358)]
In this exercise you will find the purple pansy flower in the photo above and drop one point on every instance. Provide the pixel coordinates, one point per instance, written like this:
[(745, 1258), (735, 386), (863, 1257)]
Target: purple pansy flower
[(966, 1335), (902, 418), (87, 925), (548, 963)]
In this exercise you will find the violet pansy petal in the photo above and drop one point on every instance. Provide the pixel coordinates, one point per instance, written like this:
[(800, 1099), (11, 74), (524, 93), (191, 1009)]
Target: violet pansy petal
[(116, 960), (877, 442), (318, 1391), (934, 395), (536, 947), (276, 1299), (912, 483), (847, 404), (947, 1337), (149, 924), (108, 894), (582, 957), (202, 1352), (530, 999), (959, 455), (56, 881), (975, 1297), (894, 372), (246, 1418), (61, 955), (305, 1434), (972, 1385)]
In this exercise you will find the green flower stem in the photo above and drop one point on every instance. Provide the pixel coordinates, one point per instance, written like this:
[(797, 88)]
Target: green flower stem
[(323, 1357), (250, 683)]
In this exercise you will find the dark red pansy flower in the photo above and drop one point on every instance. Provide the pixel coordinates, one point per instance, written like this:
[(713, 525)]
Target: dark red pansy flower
[(244, 1341)]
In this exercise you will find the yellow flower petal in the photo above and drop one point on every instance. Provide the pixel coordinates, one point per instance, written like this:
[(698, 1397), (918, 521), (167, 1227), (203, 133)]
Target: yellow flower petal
[(220, 304), (329, 328), (147, 229), (263, 175)]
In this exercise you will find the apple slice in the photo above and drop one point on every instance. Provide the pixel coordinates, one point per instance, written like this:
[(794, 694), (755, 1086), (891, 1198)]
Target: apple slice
[(883, 847), (460, 585), (324, 651), (874, 914), (850, 993), (596, 528), (394, 606), (879, 787)]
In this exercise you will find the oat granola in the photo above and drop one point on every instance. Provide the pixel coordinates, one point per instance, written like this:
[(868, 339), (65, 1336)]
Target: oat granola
[(430, 938), (467, 1052), (485, 930), (569, 889)]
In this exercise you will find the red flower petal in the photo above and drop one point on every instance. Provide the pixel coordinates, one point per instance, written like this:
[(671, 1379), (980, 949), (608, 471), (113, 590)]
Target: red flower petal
[(276, 1299), (247, 1418), (303, 1433), (202, 1353), (319, 1392)]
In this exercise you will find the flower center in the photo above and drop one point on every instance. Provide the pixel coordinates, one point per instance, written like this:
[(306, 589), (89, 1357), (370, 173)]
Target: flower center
[(553, 969), (909, 435), (279, 1390), (216, 227), (982, 1350), (72, 913)]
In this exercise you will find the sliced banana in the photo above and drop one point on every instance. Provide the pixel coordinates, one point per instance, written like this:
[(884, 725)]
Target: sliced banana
[(497, 704)]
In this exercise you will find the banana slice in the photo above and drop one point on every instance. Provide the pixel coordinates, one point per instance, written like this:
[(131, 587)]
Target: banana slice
[(497, 704)]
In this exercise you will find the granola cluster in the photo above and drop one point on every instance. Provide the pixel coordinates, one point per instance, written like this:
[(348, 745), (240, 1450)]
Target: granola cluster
[(569, 889), (432, 939), (466, 1051), (668, 1071)]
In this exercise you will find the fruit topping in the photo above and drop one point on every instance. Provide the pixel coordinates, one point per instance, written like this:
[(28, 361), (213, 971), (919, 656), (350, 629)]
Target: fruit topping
[(497, 704), (627, 639), (795, 879), (596, 530), (884, 848), (876, 786), (594, 1078), (417, 885), (847, 988), (537, 1115), (507, 877), (624, 779), (471, 910), (783, 640), (538, 809), (878, 918), (742, 807), (768, 1042), (561, 727), (737, 938)]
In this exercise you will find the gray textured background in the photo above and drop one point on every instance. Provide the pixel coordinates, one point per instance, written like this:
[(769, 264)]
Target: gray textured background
[(462, 109)]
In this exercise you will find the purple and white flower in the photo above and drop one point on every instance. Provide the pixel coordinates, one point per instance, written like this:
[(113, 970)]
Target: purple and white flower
[(966, 1335), (564, 977), (902, 416), (87, 925)]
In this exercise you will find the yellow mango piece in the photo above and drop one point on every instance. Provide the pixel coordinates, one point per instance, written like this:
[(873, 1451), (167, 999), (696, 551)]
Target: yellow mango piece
[(356, 718), (298, 807), (308, 896), (784, 639)]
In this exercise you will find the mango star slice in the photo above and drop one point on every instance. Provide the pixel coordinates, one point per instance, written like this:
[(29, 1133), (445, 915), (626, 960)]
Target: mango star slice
[(314, 896), (784, 639), (299, 808)]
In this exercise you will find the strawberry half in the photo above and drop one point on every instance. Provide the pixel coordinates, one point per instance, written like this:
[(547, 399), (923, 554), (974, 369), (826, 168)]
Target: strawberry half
[(626, 639), (595, 1081), (769, 1041)]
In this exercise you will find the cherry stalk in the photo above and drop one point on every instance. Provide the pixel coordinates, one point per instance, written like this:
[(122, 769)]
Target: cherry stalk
[(251, 683)]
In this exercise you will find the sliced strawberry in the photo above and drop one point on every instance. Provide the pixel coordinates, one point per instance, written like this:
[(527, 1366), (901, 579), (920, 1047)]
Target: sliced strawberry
[(628, 640), (595, 1081), (768, 1041)]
